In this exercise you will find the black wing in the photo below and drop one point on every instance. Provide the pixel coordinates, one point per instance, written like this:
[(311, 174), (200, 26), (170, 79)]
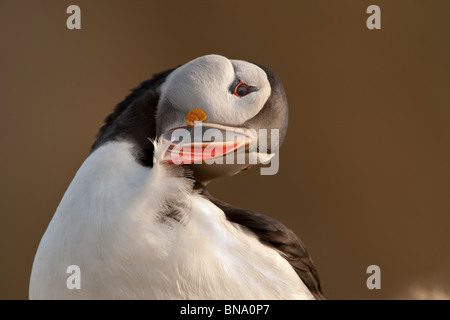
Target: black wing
[(278, 236)]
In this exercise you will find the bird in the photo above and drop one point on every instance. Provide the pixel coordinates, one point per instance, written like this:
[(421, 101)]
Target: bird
[(137, 224)]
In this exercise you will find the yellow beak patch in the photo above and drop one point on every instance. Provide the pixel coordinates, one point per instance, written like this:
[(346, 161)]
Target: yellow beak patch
[(195, 115)]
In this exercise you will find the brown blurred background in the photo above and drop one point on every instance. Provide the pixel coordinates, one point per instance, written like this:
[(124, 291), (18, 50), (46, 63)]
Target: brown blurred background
[(365, 169)]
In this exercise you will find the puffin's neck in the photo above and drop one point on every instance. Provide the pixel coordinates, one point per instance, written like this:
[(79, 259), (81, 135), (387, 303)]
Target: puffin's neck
[(111, 182), (135, 122)]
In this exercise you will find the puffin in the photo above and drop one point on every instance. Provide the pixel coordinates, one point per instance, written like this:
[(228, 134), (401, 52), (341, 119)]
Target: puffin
[(137, 220)]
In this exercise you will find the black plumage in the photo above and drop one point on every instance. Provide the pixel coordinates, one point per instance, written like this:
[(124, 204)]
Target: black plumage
[(134, 119)]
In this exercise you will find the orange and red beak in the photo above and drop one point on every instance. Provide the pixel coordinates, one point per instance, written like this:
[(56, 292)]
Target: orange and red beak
[(199, 142)]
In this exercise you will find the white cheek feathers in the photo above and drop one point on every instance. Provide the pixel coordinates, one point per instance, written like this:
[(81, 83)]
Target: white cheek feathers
[(206, 83)]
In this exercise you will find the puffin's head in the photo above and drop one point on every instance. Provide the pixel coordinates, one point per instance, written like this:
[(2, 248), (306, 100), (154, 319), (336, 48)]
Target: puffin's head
[(232, 99)]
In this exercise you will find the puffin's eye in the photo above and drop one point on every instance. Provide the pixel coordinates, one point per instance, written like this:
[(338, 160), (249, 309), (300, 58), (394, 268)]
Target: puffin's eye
[(241, 89)]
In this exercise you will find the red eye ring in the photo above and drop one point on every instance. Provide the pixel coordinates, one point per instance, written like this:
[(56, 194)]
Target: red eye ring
[(242, 89)]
